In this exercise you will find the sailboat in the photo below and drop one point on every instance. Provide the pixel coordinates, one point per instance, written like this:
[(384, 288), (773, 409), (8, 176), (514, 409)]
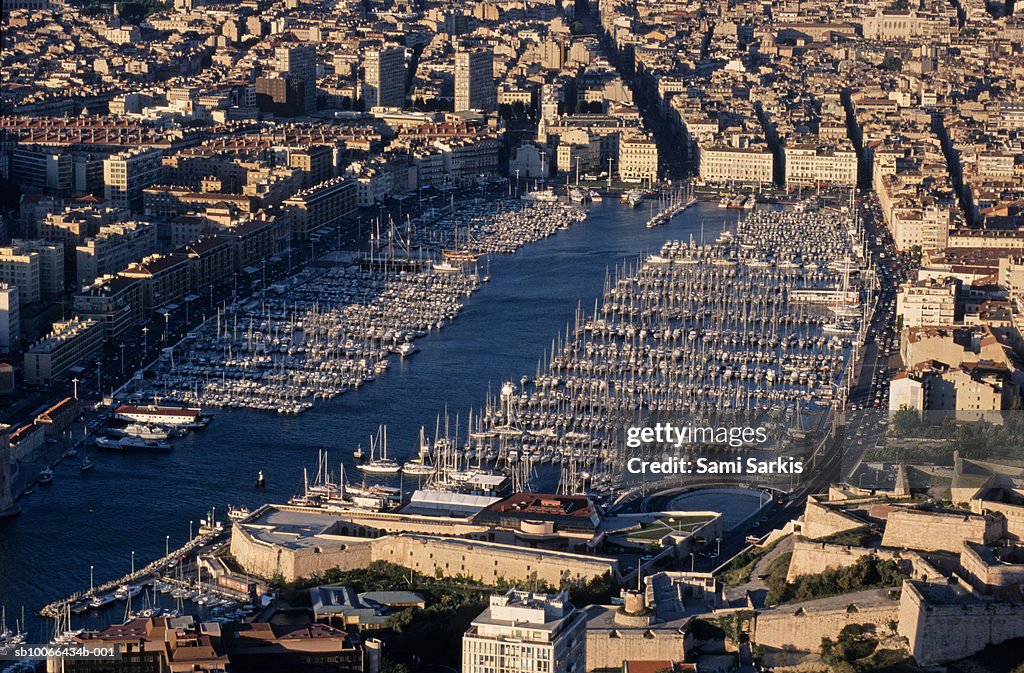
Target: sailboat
[(86, 460), (420, 465), (383, 464)]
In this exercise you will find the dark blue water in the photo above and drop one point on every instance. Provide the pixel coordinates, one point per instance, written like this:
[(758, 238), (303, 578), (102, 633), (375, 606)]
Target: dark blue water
[(132, 502)]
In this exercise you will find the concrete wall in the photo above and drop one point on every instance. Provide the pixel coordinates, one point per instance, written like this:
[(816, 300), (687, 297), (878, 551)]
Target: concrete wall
[(940, 531), (802, 626), (940, 633)]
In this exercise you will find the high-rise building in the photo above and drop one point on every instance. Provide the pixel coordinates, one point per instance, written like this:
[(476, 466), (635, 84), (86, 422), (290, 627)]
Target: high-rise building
[(10, 321), (474, 81), (21, 268), (298, 62), (126, 174), (524, 632), (7, 506), (384, 77)]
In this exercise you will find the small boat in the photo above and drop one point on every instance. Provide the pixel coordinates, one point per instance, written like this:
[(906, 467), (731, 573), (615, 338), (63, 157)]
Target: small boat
[(359, 454), (101, 600), (45, 476), (237, 513), (86, 464), (406, 349), (261, 482)]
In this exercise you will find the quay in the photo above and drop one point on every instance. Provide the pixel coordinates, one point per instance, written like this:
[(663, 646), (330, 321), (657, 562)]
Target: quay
[(140, 577)]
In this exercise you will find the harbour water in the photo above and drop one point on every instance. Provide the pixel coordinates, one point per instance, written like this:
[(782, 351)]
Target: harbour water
[(134, 502)]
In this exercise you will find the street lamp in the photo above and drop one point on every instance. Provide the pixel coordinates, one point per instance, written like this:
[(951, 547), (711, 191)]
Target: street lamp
[(74, 382), (167, 546), (190, 530), (145, 340), (167, 323), (133, 562), (122, 356), (90, 580)]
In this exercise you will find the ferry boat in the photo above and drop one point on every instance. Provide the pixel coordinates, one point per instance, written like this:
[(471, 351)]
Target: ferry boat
[(595, 196), (750, 203), (405, 349), (577, 195)]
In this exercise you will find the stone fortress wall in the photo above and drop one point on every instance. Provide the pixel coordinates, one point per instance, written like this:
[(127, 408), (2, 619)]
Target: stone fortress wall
[(941, 632), (820, 520), (1014, 513), (940, 531), (811, 558), (801, 626), (478, 559)]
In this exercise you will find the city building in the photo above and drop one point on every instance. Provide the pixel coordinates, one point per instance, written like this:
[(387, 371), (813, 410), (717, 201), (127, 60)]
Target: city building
[(297, 64), (69, 342), (816, 165), (638, 159), (113, 248), (126, 174), (35, 267), (748, 163), (526, 632), (927, 302), (10, 321), (475, 88), (384, 77), (325, 204)]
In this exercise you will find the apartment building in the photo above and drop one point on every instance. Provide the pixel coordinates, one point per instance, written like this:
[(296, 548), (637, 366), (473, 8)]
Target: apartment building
[(808, 164), (126, 174), (325, 204), (927, 302), (10, 321), (474, 81), (638, 158), (384, 77), (69, 342), (113, 248), (752, 163), (525, 632)]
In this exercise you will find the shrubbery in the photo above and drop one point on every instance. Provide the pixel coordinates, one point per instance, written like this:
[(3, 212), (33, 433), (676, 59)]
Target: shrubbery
[(868, 572)]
